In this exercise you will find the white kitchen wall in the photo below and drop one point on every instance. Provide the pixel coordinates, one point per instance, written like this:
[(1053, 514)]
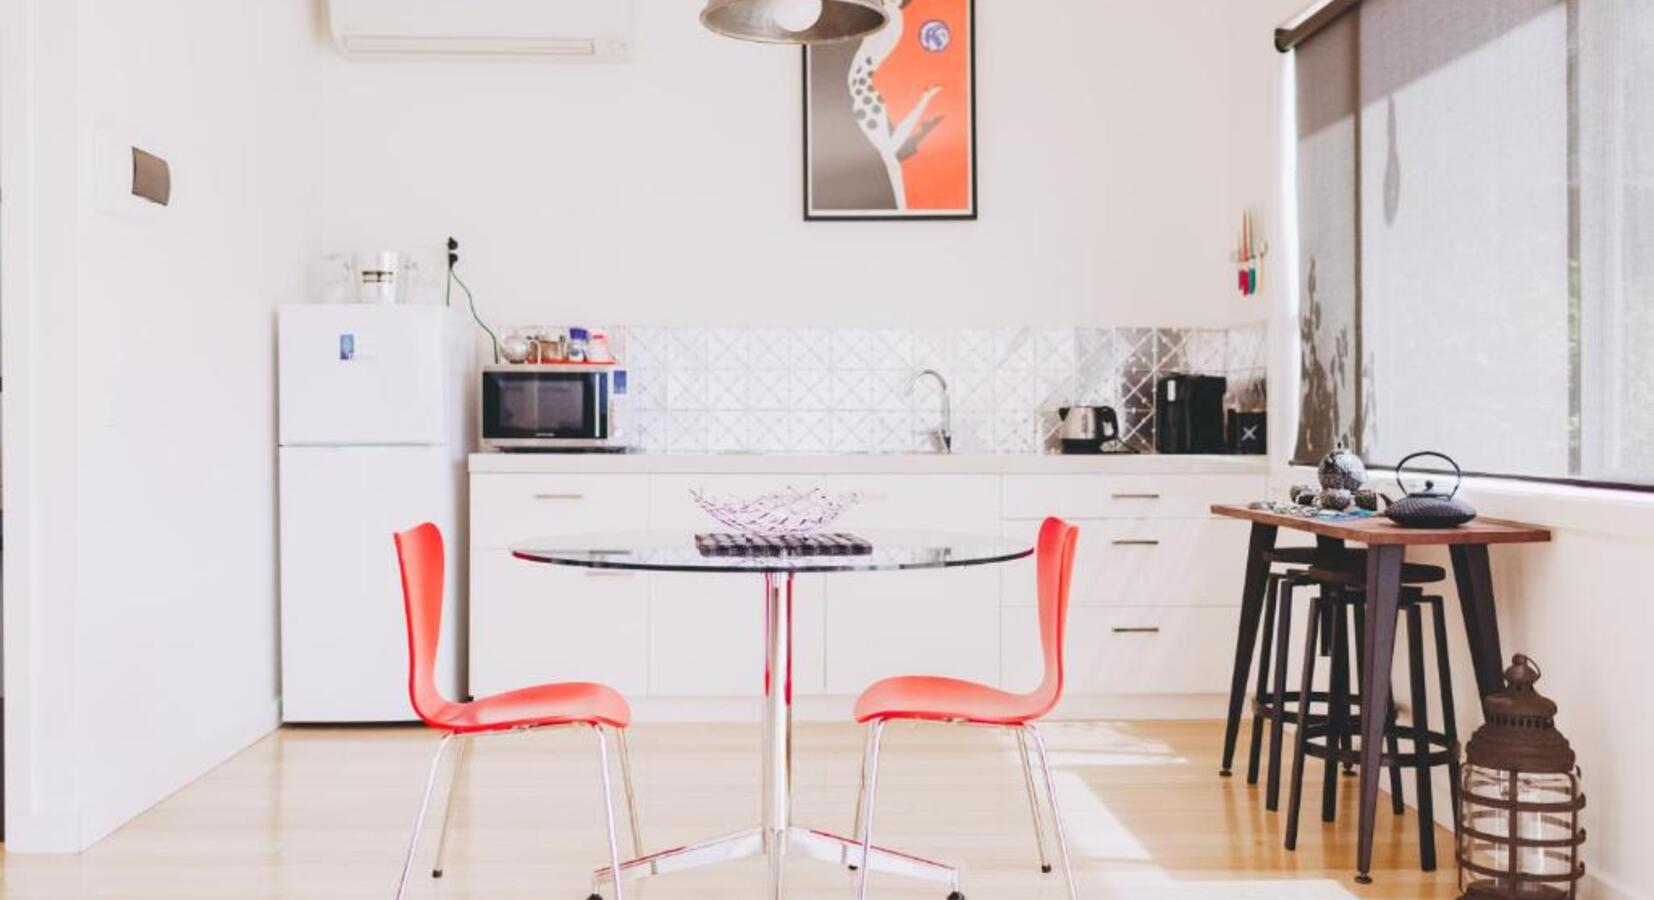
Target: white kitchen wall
[(1119, 141), (140, 497)]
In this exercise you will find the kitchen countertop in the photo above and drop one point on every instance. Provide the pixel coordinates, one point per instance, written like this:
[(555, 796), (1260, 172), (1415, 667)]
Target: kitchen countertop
[(873, 463)]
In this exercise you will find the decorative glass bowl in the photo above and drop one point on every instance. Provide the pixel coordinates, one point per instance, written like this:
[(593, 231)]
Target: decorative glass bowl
[(785, 513)]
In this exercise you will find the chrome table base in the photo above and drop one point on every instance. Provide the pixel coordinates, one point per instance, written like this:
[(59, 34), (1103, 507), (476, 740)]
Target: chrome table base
[(778, 838), (819, 846)]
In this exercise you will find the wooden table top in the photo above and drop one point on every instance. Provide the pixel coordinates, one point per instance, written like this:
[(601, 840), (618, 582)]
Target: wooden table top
[(1380, 530)]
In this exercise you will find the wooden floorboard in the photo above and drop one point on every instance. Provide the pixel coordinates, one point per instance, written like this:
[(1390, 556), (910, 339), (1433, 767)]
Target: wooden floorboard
[(325, 813)]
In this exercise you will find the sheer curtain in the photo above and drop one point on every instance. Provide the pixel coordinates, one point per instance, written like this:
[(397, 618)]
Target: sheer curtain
[(1476, 200)]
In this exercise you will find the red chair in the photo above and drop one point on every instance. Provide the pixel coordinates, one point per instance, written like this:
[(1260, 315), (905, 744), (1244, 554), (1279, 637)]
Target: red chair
[(543, 706), (948, 700)]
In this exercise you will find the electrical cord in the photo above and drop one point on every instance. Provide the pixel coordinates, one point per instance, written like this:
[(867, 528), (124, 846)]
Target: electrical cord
[(471, 302)]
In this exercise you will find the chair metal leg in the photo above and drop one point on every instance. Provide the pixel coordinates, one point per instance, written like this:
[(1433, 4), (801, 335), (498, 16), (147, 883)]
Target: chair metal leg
[(1421, 739), (1300, 739), (1272, 785), (419, 821), (1450, 725), (609, 808), (631, 795), (1056, 812), (875, 737), (861, 797), (1261, 695), (1340, 734), (460, 781), (1033, 801)]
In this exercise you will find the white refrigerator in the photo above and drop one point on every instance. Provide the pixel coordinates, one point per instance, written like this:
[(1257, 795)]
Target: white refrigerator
[(373, 432)]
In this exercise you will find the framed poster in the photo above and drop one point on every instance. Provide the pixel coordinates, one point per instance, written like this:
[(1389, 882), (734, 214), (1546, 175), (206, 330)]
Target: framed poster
[(890, 119)]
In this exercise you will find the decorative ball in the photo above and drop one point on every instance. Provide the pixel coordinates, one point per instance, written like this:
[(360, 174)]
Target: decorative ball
[(1342, 470), (1337, 499)]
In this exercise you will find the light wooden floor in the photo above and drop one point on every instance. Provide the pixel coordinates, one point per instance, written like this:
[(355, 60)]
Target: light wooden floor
[(325, 814)]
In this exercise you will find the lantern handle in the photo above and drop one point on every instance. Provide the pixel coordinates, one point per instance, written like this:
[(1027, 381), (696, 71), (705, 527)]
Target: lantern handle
[(1519, 662)]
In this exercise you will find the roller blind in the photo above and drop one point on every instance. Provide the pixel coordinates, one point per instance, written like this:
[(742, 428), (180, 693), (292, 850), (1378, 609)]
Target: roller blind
[(1474, 218)]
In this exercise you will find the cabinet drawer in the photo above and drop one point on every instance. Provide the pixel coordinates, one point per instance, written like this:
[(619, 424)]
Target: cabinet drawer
[(1124, 496), (953, 503), (1129, 650), (508, 509), (1142, 562), (934, 622), (706, 635), (533, 623)]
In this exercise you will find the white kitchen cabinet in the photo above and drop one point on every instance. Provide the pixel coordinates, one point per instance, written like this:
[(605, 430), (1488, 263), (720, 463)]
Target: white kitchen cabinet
[(707, 631), (935, 622), (1129, 650), (1132, 496), (508, 509), (533, 623), (1155, 599), (1142, 562), (932, 622), (957, 503), (707, 635)]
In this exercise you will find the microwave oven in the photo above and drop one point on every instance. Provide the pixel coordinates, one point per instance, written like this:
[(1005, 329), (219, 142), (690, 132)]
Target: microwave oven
[(549, 407)]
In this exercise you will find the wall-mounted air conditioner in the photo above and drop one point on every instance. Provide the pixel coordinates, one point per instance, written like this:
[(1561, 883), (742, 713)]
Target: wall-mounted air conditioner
[(483, 29)]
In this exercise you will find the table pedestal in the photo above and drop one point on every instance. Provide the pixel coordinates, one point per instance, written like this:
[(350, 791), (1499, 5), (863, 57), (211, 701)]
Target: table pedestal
[(776, 835)]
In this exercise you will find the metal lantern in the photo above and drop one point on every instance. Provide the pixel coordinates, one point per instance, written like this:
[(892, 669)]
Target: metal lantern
[(1519, 834), (795, 21)]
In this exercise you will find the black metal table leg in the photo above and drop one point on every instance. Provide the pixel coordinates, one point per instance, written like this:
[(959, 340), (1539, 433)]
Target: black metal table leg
[(1257, 576), (1474, 575), (1384, 600)]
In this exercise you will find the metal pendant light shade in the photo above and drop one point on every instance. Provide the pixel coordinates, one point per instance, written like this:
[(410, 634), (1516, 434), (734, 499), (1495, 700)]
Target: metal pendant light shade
[(769, 20)]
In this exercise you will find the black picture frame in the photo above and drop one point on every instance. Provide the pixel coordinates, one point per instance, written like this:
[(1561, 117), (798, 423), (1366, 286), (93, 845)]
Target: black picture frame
[(972, 214)]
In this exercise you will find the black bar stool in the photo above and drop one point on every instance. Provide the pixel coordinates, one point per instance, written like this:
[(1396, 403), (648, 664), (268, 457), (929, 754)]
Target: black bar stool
[(1274, 700), (1332, 737)]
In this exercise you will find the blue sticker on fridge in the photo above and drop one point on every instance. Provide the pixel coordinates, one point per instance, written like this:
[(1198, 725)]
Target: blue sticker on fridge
[(347, 347)]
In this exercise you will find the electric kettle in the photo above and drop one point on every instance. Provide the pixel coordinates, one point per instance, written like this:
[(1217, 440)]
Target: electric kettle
[(1085, 429)]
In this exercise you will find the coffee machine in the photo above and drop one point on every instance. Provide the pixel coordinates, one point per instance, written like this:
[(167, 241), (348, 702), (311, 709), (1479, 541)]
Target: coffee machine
[(1189, 414)]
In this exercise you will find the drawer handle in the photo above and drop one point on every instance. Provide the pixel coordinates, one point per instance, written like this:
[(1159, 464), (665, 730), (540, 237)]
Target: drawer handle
[(1137, 496), (1143, 542), (1154, 630), (559, 496)]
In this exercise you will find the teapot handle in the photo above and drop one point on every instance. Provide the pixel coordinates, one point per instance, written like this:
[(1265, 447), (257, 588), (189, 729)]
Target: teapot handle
[(1458, 474)]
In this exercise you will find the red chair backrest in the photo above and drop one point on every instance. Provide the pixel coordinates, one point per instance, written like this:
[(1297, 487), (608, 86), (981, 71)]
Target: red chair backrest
[(419, 551), (1054, 559)]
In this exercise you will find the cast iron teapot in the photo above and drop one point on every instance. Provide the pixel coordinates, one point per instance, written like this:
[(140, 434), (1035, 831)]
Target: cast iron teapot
[(1430, 508)]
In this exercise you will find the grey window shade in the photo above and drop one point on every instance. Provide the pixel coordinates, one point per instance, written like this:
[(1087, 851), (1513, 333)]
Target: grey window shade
[(1475, 205)]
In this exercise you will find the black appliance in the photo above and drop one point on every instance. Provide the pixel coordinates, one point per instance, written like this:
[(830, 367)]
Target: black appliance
[(1189, 415), (1249, 433)]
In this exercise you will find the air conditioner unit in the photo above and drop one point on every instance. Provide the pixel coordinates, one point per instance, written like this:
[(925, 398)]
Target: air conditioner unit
[(598, 30)]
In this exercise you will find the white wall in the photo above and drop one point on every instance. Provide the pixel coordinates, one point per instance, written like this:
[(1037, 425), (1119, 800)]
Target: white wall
[(140, 500), (1119, 140)]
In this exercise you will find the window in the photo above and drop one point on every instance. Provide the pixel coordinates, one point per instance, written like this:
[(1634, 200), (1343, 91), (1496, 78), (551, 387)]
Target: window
[(1475, 225)]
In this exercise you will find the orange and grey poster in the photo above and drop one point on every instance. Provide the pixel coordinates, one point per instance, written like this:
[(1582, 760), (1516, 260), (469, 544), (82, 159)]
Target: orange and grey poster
[(889, 118)]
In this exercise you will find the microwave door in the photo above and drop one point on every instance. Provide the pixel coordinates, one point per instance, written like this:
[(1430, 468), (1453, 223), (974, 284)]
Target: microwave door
[(541, 408)]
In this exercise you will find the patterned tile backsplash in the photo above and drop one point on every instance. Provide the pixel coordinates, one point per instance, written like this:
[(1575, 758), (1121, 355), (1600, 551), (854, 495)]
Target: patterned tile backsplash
[(711, 390)]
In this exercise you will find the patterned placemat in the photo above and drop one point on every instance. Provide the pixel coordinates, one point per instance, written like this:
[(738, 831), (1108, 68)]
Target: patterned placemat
[(829, 544)]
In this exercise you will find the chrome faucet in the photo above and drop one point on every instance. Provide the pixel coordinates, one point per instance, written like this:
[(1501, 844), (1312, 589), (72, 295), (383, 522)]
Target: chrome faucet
[(941, 438)]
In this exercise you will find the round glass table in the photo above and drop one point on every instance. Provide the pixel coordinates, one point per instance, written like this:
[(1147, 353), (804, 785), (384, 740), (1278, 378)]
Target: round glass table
[(776, 834)]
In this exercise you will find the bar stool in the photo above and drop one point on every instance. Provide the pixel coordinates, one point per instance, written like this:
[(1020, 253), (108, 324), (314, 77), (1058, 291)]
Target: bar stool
[(1332, 737), (1275, 701), (1280, 556)]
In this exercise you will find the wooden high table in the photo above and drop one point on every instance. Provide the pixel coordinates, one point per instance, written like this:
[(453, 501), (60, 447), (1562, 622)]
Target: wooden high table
[(1387, 545)]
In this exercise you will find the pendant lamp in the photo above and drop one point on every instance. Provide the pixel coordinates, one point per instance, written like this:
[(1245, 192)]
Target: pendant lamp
[(795, 21)]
